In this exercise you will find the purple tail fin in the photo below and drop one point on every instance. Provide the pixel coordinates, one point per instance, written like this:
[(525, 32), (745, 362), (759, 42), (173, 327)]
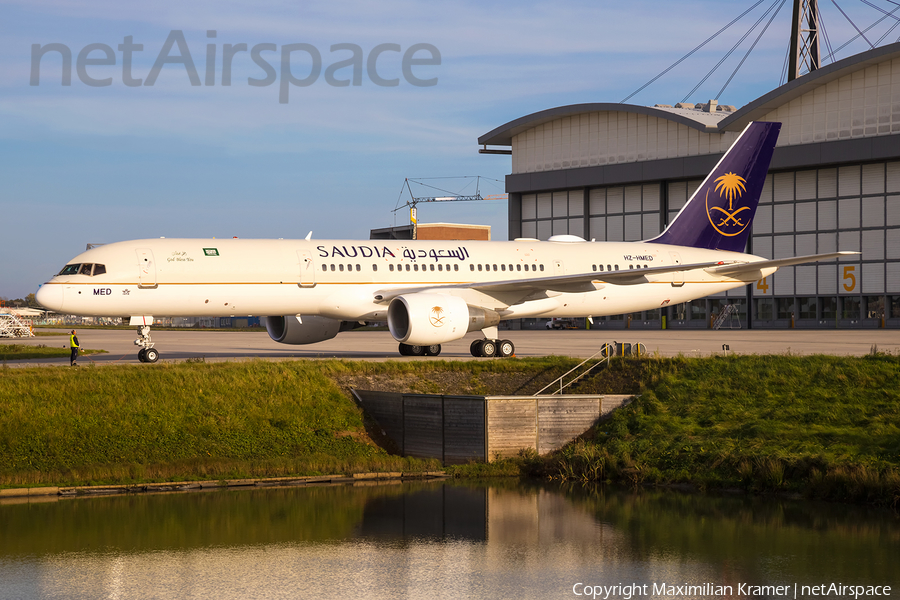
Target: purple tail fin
[(719, 214)]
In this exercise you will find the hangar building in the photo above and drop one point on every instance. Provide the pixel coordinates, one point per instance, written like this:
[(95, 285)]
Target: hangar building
[(621, 172)]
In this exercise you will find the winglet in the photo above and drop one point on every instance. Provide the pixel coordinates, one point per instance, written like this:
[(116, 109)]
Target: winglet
[(719, 214)]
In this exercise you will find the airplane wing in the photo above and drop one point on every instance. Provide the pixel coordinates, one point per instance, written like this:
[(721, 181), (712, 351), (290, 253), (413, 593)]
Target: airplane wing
[(589, 282), (574, 283)]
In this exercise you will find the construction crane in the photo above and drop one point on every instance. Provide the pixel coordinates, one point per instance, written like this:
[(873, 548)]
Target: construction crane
[(448, 197)]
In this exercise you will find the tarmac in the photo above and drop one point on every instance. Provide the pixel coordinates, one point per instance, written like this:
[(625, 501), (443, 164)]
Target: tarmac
[(216, 346)]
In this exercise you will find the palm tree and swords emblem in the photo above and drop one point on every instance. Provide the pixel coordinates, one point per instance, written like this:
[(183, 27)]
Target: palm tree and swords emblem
[(436, 317), (731, 186)]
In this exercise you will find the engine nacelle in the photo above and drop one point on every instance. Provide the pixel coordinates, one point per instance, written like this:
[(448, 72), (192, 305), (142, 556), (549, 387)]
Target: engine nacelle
[(426, 319), (312, 329)]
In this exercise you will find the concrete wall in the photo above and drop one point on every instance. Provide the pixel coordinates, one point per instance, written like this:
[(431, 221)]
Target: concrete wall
[(459, 429)]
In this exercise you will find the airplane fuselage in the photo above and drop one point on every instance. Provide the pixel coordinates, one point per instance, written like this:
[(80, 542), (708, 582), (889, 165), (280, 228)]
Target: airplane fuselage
[(340, 279)]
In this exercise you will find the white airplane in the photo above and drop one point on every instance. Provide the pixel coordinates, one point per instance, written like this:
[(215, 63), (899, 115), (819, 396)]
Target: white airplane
[(432, 292)]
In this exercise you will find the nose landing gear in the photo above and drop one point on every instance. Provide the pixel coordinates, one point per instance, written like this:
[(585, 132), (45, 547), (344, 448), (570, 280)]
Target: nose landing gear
[(147, 353)]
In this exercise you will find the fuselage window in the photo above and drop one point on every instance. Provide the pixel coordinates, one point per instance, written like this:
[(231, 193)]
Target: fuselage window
[(519, 267), (99, 269), (374, 267), (542, 267), (432, 267), (471, 267), (479, 267), (609, 267), (416, 267), (456, 267), (617, 267), (341, 267), (601, 267), (358, 268), (70, 270), (502, 267), (631, 266), (391, 267), (495, 267), (510, 267), (593, 267), (407, 267), (440, 267), (333, 268)]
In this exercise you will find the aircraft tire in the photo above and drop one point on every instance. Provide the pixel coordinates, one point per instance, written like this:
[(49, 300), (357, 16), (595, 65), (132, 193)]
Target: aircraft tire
[(416, 350), (142, 355), (489, 348), (433, 350), (404, 350), (151, 355), (475, 348), (506, 348)]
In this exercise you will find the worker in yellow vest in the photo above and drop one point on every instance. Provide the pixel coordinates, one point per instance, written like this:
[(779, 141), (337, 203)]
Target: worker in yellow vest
[(73, 343)]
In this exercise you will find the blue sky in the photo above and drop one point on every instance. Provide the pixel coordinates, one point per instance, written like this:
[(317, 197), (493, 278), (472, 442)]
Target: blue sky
[(100, 164)]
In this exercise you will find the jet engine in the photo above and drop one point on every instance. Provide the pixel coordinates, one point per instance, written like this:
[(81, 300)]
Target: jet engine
[(304, 330), (426, 319)]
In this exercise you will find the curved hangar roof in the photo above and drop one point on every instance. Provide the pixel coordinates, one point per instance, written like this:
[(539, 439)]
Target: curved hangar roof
[(718, 122)]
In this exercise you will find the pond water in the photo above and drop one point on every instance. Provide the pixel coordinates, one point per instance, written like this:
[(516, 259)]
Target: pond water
[(444, 540)]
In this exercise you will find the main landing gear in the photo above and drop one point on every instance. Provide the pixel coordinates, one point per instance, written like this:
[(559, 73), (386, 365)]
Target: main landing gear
[(490, 348), (147, 353), (411, 350)]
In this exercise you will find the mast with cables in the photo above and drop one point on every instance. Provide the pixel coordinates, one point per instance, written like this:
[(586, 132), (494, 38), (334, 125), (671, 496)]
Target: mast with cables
[(804, 53)]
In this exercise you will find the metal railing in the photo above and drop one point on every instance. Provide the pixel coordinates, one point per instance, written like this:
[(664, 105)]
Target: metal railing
[(607, 350)]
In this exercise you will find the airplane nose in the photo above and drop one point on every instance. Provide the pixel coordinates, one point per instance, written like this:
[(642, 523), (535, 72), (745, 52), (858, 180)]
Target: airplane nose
[(50, 296)]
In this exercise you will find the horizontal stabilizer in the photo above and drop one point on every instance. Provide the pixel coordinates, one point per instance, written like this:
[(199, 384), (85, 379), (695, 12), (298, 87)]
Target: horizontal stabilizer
[(749, 267)]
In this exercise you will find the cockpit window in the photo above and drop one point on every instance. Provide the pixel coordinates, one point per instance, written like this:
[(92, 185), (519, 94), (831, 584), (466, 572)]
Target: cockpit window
[(83, 269)]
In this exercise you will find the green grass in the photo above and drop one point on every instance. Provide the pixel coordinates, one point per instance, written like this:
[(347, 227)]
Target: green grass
[(188, 421), (820, 426), (23, 351), (823, 426)]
